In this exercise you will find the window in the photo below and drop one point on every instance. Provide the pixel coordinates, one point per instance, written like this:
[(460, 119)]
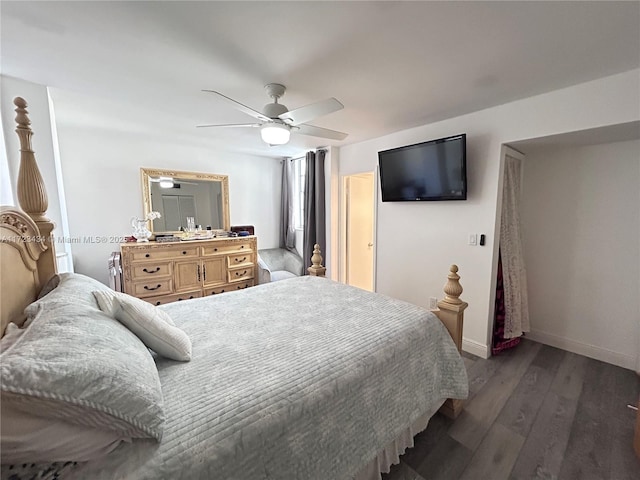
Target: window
[(299, 178)]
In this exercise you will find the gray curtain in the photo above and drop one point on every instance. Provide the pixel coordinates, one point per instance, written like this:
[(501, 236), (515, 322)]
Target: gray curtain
[(287, 230), (314, 206)]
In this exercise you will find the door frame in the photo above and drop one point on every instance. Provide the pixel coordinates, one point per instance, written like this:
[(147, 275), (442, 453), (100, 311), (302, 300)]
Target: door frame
[(342, 260)]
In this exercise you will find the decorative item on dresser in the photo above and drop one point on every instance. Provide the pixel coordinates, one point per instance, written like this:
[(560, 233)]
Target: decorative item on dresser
[(168, 272)]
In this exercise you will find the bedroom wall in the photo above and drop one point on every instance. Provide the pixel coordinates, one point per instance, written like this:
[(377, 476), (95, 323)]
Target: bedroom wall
[(416, 242), (104, 187), (581, 227)]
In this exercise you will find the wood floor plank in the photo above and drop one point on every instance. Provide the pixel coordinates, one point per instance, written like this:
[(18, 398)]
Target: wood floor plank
[(588, 452), (495, 456), (570, 376), (601, 406), (549, 358), (483, 369), (468, 362), (543, 451), (625, 465), (433, 468), (521, 409), (482, 410), (402, 471)]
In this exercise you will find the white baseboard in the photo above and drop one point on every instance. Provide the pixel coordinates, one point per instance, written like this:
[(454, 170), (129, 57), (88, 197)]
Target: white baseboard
[(591, 351), (475, 348)]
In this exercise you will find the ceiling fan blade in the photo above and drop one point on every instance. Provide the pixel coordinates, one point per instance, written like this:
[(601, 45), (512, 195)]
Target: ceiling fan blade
[(311, 112), (320, 132), (241, 107), (230, 125)]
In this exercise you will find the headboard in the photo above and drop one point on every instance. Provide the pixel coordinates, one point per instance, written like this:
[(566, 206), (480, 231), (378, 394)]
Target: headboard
[(27, 251)]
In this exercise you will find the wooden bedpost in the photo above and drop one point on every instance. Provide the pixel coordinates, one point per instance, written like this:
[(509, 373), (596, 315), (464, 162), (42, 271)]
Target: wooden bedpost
[(316, 269), (451, 314), (32, 194)]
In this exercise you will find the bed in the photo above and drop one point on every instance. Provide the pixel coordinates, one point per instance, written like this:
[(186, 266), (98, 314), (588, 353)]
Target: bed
[(304, 378)]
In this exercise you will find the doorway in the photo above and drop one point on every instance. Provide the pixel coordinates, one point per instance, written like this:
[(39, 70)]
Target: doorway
[(359, 230)]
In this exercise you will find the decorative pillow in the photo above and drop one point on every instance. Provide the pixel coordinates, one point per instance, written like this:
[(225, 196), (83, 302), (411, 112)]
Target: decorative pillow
[(75, 363), (152, 325)]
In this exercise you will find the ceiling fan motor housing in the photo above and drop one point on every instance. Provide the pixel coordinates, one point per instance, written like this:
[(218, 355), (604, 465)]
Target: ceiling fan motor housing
[(273, 110)]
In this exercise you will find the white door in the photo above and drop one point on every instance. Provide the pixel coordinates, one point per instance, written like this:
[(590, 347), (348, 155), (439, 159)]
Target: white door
[(359, 211)]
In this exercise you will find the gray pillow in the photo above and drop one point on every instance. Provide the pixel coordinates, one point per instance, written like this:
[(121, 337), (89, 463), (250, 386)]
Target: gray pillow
[(77, 364), (150, 324)]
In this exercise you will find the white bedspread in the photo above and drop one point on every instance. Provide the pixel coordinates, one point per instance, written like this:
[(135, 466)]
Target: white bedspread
[(299, 379)]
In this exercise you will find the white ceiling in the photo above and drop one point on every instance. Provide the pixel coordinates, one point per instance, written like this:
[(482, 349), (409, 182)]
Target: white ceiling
[(394, 65)]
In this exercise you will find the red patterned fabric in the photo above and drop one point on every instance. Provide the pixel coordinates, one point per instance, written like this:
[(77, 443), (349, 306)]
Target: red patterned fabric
[(499, 342)]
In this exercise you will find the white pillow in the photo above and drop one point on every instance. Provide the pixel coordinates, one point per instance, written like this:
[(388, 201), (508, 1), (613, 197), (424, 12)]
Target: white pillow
[(151, 325)]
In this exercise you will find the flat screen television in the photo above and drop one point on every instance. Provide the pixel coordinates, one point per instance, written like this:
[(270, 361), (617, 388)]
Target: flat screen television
[(434, 170)]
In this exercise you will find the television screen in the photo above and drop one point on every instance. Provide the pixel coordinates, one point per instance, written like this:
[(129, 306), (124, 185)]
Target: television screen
[(434, 170)]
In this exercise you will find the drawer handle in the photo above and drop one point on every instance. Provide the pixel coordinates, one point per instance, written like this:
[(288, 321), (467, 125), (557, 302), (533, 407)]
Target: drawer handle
[(198, 272), (146, 287), (184, 252), (158, 303), (241, 246), (213, 293), (155, 271), (240, 260), (238, 274), (147, 255), (215, 249)]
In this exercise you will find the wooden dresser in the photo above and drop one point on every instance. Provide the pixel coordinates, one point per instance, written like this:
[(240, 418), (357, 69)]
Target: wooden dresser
[(167, 272)]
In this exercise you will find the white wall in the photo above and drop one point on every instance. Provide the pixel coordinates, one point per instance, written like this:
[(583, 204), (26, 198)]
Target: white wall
[(416, 242), (581, 219), (101, 164)]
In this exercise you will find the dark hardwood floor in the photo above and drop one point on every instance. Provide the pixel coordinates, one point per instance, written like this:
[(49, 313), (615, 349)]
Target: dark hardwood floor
[(534, 412)]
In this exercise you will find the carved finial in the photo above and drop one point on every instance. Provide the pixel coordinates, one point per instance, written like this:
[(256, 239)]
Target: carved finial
[(316, 268), (452, 288), (22, 115), (32, 194)]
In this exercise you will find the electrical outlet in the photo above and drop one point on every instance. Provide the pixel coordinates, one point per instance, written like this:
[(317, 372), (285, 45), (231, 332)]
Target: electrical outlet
[(433, 303), (473, 239)]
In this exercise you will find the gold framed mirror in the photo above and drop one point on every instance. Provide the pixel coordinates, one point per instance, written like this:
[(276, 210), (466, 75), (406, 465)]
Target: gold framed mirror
[(177, 195)]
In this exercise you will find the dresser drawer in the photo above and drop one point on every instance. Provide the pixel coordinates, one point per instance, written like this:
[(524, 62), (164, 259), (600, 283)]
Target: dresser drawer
[(217, 290), (240, 259), (165, 254), (172, 298), (243, 285), (227, 247), (241, 273), (152, 287), (229, 288), (151, 270)]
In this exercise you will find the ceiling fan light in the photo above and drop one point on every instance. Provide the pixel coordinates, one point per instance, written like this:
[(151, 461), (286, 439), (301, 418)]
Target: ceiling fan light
[(275, 133), (166, 182)]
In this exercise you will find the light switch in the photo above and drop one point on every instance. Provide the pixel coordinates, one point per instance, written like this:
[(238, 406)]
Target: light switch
[(473, 239)]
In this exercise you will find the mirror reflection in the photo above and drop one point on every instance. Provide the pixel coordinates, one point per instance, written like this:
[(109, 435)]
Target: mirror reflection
[(178, 196)]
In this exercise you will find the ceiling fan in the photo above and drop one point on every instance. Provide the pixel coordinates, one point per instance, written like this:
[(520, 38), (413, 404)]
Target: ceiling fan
[(277, 121)]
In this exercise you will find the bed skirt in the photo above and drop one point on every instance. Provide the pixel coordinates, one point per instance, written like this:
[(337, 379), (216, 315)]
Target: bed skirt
[(390, 455)]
